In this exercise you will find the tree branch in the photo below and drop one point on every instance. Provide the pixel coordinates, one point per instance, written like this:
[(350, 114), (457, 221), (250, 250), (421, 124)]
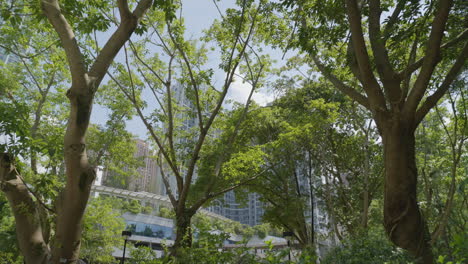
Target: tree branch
[(192, 77), (141, 8), (148, 126), (200, 202), (127, 25), (28, 226), (233, 136), (166, 182), (38, 199), (29, 56), (349, 91), (432, 100), (431, 59), (135, 52), (416, 65), (386, 72), (152, 88), (124, 11), (53, 13), (169, 114), (228, 146), (170, 129), (369, 82), (393, 18), (407, 76), (33, 77), (351, 59), (232, 66)]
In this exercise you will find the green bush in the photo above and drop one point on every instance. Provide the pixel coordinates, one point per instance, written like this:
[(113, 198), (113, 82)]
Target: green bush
[(459, 251), (10, 258), (206, 250), (366, 249)]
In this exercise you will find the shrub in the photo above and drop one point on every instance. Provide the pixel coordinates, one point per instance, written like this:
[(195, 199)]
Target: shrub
[(366, 249)]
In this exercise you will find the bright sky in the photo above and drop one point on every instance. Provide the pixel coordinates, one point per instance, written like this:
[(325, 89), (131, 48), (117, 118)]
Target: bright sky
[(199, 15)]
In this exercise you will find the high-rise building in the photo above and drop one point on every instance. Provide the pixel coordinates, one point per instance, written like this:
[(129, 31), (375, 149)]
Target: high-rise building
[(7, 57), (229, 207), (185, 122), (148, 176), (250, 213), (316, 214)]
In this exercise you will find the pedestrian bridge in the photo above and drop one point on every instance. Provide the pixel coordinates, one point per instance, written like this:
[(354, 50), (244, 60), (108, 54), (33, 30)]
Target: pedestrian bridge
[(146, 197)]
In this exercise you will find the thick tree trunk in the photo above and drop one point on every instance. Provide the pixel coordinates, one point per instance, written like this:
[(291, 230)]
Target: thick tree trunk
[(72, 202), (28, 224), (183, 232), (403, 221)]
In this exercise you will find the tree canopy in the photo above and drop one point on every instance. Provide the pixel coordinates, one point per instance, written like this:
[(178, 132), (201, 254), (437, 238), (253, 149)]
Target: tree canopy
[(369, 123)]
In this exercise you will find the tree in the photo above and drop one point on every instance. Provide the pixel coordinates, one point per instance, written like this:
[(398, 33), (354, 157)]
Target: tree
[(441, 142), (456, 134), (320, 148), (285, 184), (366, 249), (9, 252), (173, 92), (390, 69), (102, 227), (86, 76)]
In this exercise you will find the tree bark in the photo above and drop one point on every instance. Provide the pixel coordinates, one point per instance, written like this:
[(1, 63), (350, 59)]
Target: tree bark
[(183, 232), (80, 175), (28, 224), (398, 112), (71, 203), (403, 221)]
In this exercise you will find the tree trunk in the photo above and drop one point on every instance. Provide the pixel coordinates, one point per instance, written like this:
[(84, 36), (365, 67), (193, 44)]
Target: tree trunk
[(72, 201), (312, 200), (365, 195), (403, 221), (302, 231), (28, 224), (183, 232)]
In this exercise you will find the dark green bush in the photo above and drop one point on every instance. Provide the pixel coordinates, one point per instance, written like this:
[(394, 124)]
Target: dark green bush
[(371, 248)]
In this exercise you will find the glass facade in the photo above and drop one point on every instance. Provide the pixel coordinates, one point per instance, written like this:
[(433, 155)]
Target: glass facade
[(150, 230), (149, 226), (7, 57), (250, 214)]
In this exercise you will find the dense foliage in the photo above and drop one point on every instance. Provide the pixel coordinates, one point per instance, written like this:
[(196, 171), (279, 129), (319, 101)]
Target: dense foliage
[(369, 125)]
